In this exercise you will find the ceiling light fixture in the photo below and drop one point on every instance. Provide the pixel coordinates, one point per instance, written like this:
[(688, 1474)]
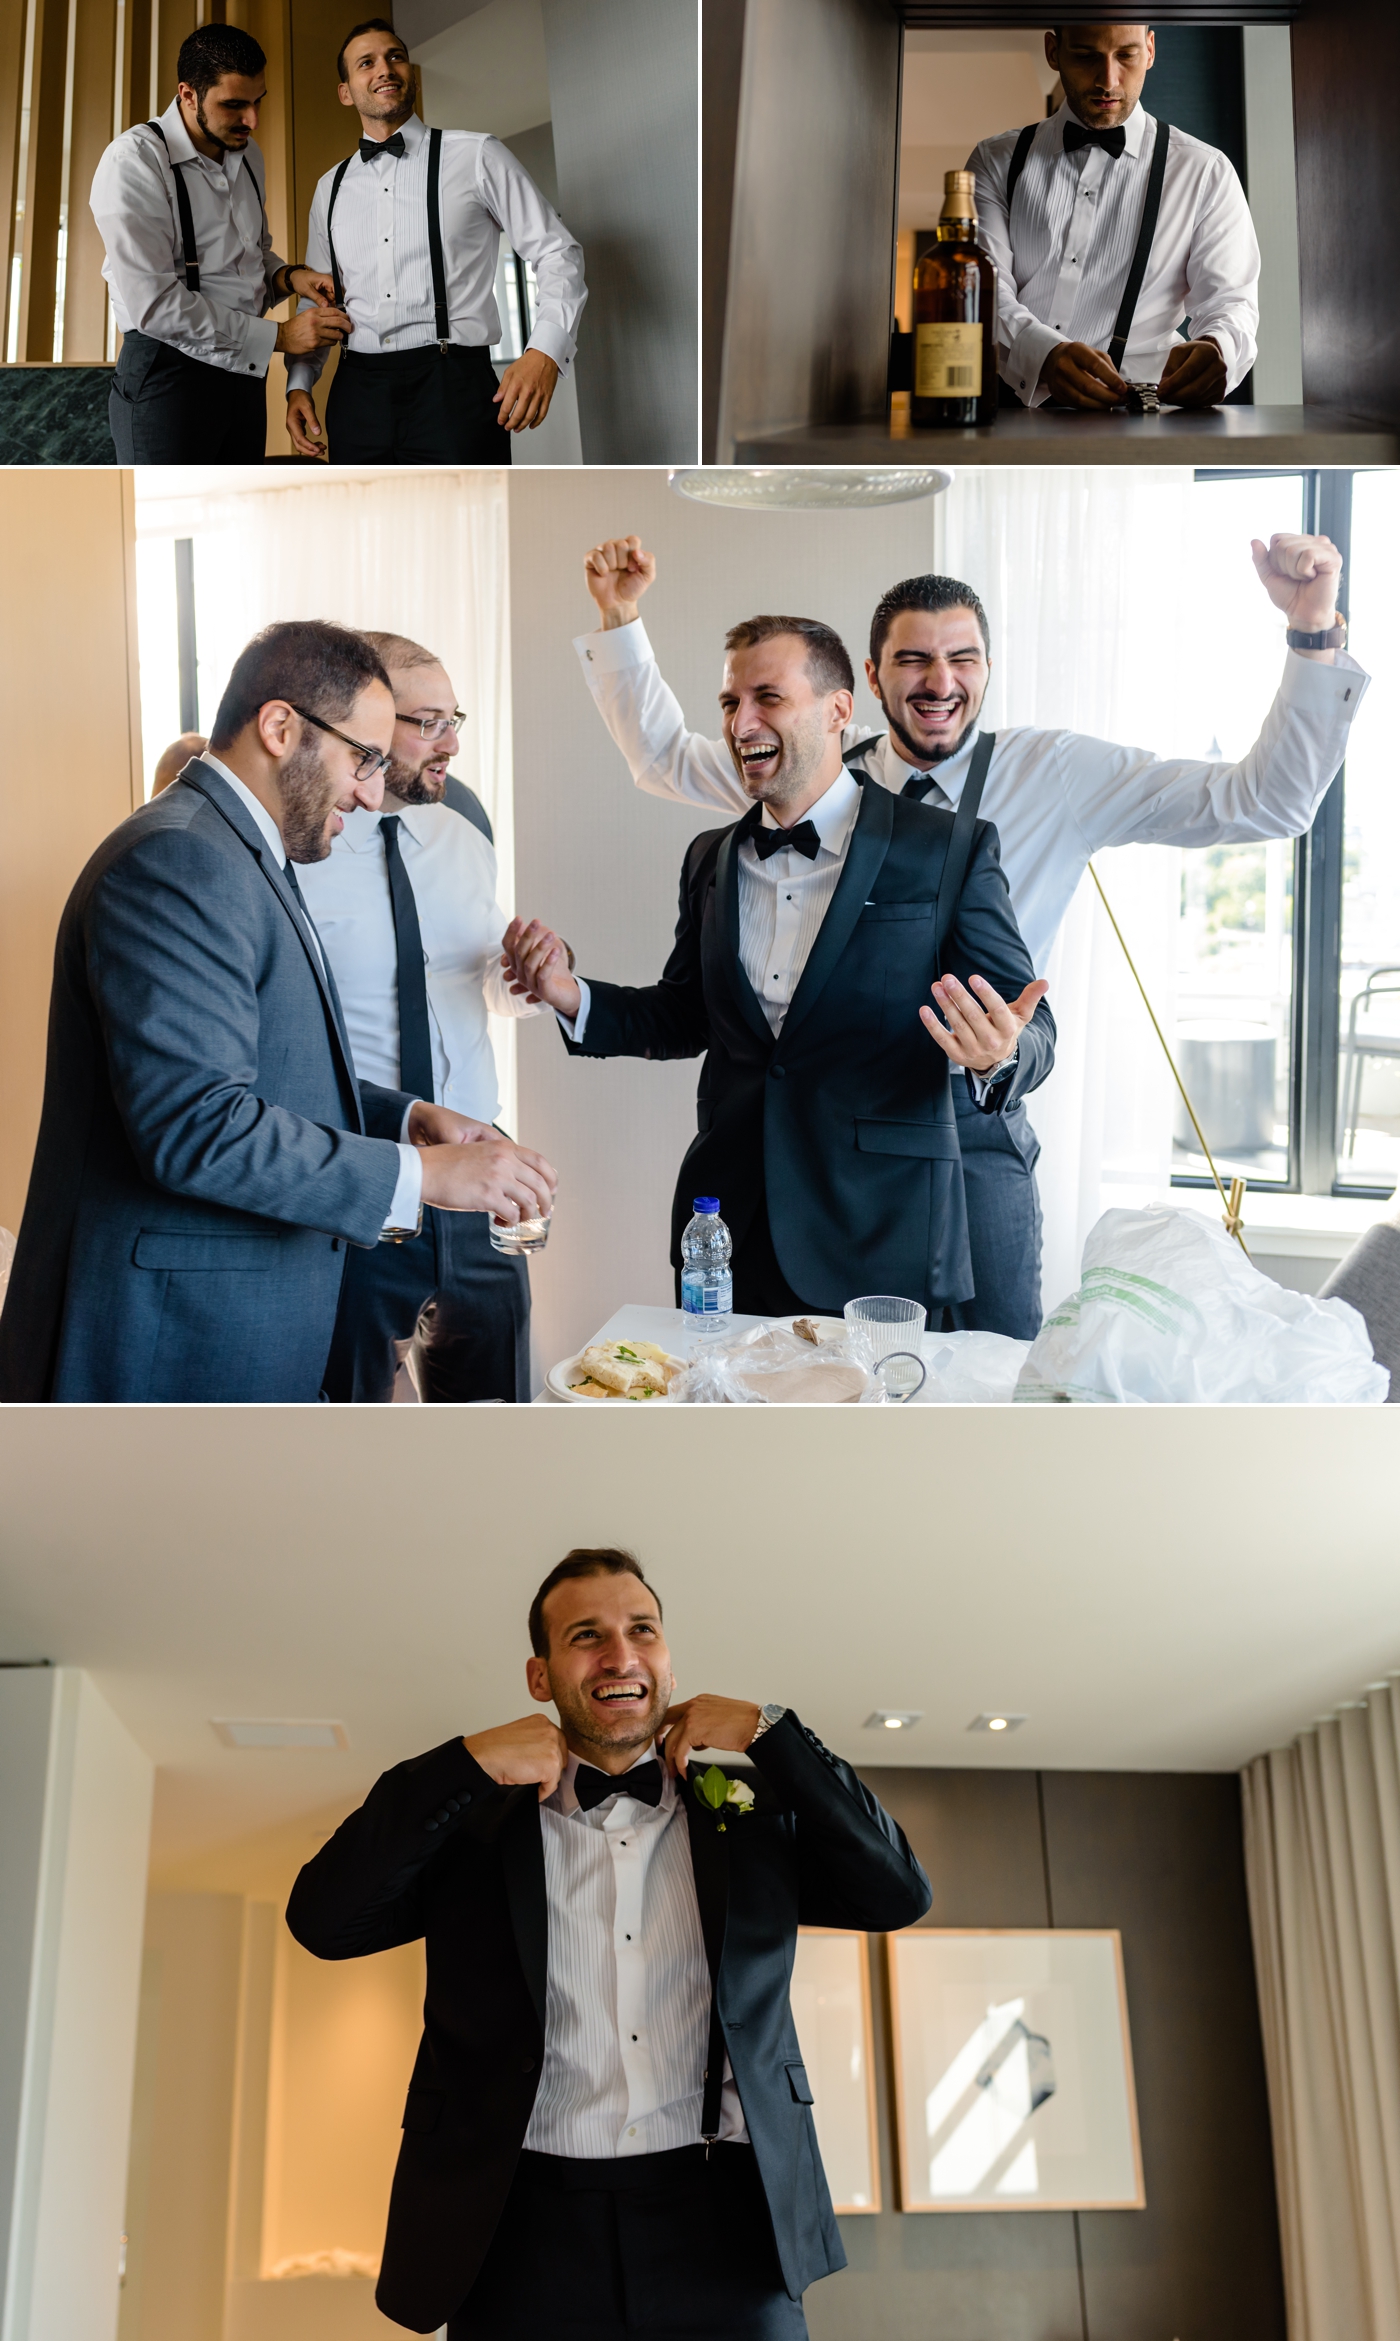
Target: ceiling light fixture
[(277, 1731), (831, 489), (894, 1719), (996, 1719)]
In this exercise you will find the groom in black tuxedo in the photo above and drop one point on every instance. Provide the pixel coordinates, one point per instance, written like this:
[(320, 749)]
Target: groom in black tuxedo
[(809, 933), (608, 2130)]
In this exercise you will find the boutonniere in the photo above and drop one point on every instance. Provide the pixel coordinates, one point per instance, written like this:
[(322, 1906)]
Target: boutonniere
[(723, 1795)]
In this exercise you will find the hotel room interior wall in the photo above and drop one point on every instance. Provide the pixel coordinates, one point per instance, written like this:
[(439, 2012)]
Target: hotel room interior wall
[(1346, 67), (806, 137), (623, 99), (1160, 1856), (601, 860), (67, 608), (75, 1811), (1273, 201)]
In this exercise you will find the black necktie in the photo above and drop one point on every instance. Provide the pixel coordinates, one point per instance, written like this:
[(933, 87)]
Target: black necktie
[(803, 839), (919, 784), (1112, 141), (415, 1037), (372, 148), (593, 1787)]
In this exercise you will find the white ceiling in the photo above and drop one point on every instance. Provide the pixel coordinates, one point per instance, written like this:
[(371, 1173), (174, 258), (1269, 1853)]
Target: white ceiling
[(1154, 1588)]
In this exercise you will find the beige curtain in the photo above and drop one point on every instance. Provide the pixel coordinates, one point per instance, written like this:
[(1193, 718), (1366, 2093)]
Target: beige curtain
[(1322, 1854)]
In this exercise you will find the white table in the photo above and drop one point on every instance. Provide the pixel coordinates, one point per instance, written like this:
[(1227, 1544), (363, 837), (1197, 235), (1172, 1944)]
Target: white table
[(668, 1329)]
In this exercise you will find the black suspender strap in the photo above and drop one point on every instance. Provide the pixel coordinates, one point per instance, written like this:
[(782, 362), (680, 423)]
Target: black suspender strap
[(714, 2075), (1018, 163), (440, 325), (950, 885), (182, 206), (336, 277), (1123, 323)]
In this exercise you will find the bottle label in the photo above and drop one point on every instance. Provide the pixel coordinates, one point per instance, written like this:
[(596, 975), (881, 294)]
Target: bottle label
[(707, 1296), (948, 361)]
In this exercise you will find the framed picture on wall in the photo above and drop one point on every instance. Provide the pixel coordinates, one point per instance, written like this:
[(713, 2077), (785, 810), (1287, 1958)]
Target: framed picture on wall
[(1013, 2071), (831, 2009)]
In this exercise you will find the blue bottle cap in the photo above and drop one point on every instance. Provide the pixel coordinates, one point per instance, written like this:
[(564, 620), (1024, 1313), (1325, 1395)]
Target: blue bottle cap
[(705, 1203)]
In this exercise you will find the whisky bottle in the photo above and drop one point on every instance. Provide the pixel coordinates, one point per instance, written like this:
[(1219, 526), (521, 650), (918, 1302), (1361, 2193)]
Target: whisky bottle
[(955, 319)]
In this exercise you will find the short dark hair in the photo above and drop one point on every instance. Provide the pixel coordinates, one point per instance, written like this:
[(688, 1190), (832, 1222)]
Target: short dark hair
[(307, 661), (828, 660), (924, 593), (216, 49), (586, 1560), (372, 24)]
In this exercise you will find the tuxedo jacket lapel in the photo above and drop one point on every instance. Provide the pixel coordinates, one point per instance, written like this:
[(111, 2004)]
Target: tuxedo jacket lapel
[(870, 842), (522, 1859), (709, 1857), (727, 923)]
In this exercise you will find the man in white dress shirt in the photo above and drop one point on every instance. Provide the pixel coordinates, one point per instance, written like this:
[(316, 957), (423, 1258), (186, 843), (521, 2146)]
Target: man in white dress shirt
[(405, 906), (608, 2130), (1055, 798), (410, 228), (1108, 229), (179, 206)]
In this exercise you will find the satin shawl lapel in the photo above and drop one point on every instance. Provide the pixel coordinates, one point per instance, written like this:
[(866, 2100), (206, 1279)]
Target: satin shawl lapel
[(522, 1859), (709, 1858), (727, 920), (240, 820), (870, 842)]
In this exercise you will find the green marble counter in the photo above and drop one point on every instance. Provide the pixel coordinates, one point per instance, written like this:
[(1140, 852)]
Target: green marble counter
[(55, 414)]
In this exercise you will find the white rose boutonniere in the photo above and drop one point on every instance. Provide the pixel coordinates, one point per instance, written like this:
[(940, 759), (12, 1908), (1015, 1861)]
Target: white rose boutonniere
[(723, 1795)]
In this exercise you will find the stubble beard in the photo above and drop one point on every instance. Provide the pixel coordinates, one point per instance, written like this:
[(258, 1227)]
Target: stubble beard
[(308, 796), (210, 132), (802, 752), (413, 784)]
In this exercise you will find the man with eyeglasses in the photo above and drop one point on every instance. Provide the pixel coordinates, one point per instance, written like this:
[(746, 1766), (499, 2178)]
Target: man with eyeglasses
[(208, 1157), (405, 904)]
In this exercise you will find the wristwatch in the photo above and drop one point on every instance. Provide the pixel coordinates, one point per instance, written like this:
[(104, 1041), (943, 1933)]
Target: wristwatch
[(1335, 637), (767, 1717)]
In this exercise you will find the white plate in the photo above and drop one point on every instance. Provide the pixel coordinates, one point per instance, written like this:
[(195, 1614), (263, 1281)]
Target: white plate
[(557, 1380)]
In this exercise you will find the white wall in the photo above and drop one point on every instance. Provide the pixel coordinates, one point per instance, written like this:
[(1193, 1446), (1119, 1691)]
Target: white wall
[(1273, 200), (70, 1956)]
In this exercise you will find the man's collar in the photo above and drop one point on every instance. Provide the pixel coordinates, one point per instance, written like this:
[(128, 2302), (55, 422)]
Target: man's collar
[(1135, 126), (181, 147), (833, 814), (565, 1799), (361, 831), (412, 133), (254, 804), (948, 775)]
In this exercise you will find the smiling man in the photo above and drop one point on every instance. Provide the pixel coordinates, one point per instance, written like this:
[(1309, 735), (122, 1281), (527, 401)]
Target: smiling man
[(206, 1154), (1055, 798), (1108, 230), (409, 228), (405, 905), (179, 206), (608, 2130)]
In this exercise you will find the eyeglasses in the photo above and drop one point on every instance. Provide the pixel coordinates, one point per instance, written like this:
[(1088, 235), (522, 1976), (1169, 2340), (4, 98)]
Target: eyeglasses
[(432, 727), (372, 760)]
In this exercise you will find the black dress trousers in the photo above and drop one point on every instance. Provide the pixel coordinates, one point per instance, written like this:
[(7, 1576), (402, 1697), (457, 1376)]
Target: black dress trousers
[(164, 407), (653, 2247), (416, 406), (475, 1307)]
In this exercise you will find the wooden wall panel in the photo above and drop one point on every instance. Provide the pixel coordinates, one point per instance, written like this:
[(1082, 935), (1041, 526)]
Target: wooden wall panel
[(73, 764), (85, 289), (1346, 65)]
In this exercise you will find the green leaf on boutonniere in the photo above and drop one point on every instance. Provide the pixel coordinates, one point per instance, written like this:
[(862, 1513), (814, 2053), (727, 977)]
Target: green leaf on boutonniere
[(715, 1789), (712, 1788)]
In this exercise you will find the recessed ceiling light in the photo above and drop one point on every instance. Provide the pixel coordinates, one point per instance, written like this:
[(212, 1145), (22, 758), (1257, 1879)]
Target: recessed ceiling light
[(278, 1731), (996, 1719), (832, 488), (894, 1719)]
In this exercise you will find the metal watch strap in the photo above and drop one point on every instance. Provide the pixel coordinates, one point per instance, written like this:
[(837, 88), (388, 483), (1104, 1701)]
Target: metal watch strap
[(1335, 638), (767, 1717)]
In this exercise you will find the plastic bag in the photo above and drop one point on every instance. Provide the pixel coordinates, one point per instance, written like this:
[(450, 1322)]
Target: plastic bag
[(973, 1369), (1169, 1310), (766, 1365)]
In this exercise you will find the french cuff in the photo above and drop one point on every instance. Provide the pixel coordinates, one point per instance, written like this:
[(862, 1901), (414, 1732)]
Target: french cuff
[(982, 1083), (405, 1213), (1026, 356), (572, 1027), (612, 649), (301, 375), (1311, 683), (552, 342), (259, 342)]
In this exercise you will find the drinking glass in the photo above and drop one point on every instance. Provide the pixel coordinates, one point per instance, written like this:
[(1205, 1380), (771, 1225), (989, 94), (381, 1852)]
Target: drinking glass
[(527, 1235), (886, 1330)]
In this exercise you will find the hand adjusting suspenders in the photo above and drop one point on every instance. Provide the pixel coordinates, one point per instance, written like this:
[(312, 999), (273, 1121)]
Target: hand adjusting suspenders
[(441, 330), (1123, 322)]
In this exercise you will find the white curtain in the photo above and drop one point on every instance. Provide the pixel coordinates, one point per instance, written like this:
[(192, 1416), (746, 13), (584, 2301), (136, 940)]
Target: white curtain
[(1322, 1855), (421, 554), (1096, 615)]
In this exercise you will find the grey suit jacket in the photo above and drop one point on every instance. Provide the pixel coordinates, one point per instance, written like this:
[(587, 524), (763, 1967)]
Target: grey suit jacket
[(204, 1152)]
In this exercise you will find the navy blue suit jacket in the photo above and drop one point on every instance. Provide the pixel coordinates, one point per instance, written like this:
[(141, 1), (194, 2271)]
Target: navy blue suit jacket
[(843, 1125), (204, 1151)]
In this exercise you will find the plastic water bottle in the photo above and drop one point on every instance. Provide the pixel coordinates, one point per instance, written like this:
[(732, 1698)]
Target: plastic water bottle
[(707, 1288)]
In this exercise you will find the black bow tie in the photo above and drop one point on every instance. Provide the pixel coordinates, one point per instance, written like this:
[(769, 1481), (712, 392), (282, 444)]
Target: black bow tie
[(372, 148), (593, 1787), (803, 839), (1112, 141)]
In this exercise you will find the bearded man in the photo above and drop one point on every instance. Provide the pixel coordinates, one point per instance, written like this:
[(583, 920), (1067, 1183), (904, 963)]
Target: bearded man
[(206, 1154), (609, 2128)]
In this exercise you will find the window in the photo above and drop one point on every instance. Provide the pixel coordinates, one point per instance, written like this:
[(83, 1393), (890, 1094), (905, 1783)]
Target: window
[(1287, 1029)]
